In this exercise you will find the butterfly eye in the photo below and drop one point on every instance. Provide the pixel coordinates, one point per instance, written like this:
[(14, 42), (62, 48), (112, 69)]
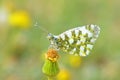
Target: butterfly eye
[(50, 36)]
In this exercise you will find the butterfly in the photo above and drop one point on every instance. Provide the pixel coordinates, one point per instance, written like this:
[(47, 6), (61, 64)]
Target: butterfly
[(77, 41)]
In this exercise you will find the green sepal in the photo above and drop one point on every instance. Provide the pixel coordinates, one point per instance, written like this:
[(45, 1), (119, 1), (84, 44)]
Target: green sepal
[(50, 68)]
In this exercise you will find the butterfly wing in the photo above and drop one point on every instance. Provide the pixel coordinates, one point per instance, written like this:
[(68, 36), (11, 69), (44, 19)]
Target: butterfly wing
[(80, 40)]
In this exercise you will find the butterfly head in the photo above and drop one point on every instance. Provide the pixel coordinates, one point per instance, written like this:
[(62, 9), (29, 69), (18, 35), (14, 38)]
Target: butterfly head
[(50, 36), (53, 40)]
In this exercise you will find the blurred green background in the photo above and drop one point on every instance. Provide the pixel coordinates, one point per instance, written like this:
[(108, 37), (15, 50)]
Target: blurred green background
[(23, 45)]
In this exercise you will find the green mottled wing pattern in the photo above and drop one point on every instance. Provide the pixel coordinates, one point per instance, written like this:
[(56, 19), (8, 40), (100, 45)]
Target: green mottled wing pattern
[(79, 40)]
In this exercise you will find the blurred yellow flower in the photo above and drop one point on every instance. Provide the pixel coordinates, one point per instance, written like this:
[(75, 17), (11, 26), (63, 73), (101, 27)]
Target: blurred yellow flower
[(75, 61), (20, 19), (64, 75)]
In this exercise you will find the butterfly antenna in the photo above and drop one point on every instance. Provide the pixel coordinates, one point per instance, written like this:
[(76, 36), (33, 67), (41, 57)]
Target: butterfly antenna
[(36, 25), (43, 29)]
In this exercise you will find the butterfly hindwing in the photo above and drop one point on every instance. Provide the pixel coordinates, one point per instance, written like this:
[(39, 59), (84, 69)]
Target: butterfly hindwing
[(78, 41)]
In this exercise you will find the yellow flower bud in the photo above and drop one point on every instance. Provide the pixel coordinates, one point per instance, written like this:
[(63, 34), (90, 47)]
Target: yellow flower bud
[(50, 67)]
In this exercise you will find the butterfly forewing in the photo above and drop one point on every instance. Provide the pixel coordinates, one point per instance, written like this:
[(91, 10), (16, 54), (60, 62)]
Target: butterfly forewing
[(79, 40)]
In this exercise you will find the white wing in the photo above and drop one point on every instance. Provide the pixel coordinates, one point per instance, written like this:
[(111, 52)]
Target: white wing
[(80, 39)]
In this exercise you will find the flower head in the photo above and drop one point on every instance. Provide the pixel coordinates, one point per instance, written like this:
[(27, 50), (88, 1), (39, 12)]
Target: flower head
[(52, 55), (64, 75), (20, 19), (50, 67), (75, 61)]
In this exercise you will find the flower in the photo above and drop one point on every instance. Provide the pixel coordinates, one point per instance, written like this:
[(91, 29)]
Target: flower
[(52, 55), (75, 61), (64, 75), (50, 67), (19, 19)]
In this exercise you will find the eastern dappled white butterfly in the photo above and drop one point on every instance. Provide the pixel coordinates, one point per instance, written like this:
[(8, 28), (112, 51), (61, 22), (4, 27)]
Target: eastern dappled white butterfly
[(77, 41)]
